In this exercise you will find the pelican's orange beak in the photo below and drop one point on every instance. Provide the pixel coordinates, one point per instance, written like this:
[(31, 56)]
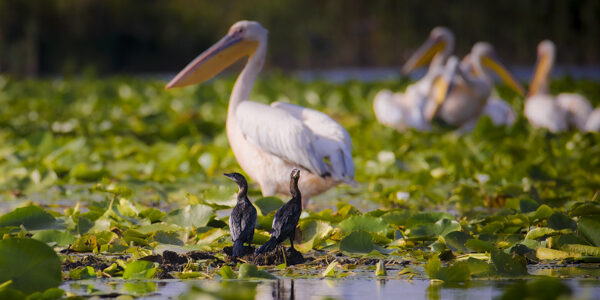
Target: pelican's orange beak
[(211, 62), (495, 65), (541, 71), (424, 54)]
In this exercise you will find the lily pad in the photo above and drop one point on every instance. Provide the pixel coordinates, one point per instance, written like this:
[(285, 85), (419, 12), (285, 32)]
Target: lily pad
[(590, 229), (139, 269), (31, 217), (508, 265), (266, 205), (30, 264), (357, 242), (58, 237), (196, 215), (248, 271)]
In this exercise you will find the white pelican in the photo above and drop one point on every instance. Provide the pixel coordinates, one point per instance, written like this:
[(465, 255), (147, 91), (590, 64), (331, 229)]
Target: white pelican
[(593, 121), (407, 110), (499, 111), (469, 91), (269, 141), (553, 113)]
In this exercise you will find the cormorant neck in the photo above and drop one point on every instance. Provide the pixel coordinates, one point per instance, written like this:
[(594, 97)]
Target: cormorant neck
[(295, 191), (243, 194)]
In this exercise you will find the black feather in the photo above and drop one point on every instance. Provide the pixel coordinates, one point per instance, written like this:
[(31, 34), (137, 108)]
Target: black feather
[(286, 218), (243, 217)]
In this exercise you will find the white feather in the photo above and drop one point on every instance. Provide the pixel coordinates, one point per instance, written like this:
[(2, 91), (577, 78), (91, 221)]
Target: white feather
[(499, 111), (593, 121), (279, 133), (331, 140), (577, 107), (543, 111)]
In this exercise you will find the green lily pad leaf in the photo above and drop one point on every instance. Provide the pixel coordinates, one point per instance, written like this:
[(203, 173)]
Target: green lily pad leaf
[(427, 218), (479, 245), (93, 241), (139, 269), (226, 272), (456, 240), (559, 241), (454, 273), (82, 273), (492, 227), (248, 271), (357, 242), (53, 294), (84, 173), (589, 227), (542, 212), (528, 205), (582, 249), (551, 254), (508, 265), (543, 288), (330, 270), (585, 209), (196, 215), (31, 217), (441, 227), (152, 214), (8, 293), (266, 205), (58, 237), (364, 223), (313, 232), (541, 233), (560, 221), (477, 266), (396, 217), (380, 269), (30, 264)]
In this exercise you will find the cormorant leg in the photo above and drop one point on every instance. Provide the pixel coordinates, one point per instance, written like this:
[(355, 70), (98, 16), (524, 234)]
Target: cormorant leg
[(292, 241)]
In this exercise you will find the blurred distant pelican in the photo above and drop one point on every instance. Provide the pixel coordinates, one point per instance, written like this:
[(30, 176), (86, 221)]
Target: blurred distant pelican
[(408, 110), (499, 111), (593, 121), (469, 91), (269, 141), (553, 113)]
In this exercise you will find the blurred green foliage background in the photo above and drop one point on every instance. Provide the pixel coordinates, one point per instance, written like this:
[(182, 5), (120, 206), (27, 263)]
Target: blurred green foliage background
[(115, 36)]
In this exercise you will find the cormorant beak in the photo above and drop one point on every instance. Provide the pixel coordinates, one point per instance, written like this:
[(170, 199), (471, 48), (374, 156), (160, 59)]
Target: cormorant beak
[(296, 174), (495, 65), (214, 60), (424, 54), (230, 176), (542, 69)]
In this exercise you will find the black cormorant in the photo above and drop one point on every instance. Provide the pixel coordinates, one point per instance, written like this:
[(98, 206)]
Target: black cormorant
[(286, 217), (243, 217)]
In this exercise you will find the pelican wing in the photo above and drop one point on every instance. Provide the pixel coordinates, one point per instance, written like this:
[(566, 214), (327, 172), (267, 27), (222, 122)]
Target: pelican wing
[(332, 141), (277, 132)]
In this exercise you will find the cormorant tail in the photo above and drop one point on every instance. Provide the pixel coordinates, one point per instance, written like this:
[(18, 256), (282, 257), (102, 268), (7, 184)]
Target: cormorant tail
[(238, 248), (268, 246)]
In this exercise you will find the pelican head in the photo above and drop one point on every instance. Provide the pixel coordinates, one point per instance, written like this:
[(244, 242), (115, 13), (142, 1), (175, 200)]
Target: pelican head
[(242, 40), (483, 55), (441, 40), (545, 53)]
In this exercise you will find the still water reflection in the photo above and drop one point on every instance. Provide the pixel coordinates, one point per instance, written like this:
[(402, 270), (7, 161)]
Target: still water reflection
[(311, 289)]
